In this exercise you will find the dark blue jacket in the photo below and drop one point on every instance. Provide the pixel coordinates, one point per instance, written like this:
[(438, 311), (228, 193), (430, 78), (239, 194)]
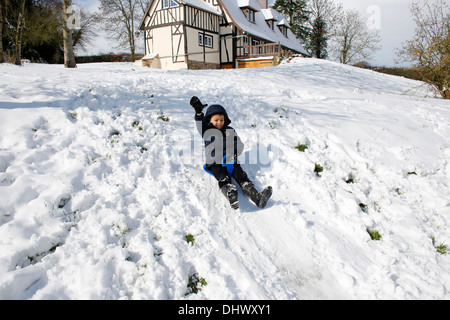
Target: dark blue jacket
[(218, 143)]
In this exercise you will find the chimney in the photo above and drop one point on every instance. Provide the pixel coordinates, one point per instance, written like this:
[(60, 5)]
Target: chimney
[(263, 4)]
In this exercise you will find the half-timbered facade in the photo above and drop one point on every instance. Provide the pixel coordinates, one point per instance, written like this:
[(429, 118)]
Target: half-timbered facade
[(197, 34)]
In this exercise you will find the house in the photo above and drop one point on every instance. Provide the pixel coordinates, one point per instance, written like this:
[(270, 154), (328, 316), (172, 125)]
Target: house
[(215, 34)]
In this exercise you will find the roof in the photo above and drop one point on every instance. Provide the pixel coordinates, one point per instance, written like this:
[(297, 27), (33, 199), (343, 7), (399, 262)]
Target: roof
[(202, 5), (150, 56), (260, 28), (253, 4), (269, 14)]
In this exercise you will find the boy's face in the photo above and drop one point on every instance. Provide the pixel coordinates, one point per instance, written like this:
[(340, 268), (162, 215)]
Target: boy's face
[(218, 120)]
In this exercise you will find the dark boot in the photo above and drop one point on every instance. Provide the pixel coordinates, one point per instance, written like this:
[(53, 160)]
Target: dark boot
[(230, 191), (259, 198), (265, 196)]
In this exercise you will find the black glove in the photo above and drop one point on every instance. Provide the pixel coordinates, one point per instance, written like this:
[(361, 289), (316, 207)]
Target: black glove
[(197, 105)]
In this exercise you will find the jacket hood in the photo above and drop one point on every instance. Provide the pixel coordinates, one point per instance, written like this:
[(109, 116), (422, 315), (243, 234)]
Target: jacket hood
[(217, 109)]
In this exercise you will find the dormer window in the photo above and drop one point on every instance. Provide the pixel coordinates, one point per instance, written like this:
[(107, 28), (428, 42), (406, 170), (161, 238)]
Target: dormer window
[(269, 15), (284, 26), (250, 15), (248, 9)]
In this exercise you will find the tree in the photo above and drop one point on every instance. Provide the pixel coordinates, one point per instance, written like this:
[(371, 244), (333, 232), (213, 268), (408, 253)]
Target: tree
[(120, 19), (82, 37), (25, 27), (69, 56), (429, 50), (351, 39), (43, 35), (40, 33), (324, 15), (2, 58), (18, 36), (317, 44), (297, 13)]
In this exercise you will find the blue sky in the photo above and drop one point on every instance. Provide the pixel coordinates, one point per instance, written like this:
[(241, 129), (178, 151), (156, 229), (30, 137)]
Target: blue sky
[(395, 25)]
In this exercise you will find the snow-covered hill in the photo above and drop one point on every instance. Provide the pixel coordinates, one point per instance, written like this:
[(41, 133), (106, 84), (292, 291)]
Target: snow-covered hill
[(101, 181)]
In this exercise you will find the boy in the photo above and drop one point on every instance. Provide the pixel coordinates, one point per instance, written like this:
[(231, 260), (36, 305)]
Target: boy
[(222, 147)]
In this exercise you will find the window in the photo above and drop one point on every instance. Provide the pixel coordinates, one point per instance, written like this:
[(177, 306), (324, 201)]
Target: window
[(169, 4), (284, 31), (250, 15), (256, 50), (208, 41), (271, 24), (245, 45), (205, 40)]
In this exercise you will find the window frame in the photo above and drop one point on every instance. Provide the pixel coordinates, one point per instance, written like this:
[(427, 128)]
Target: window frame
[(205, 40), (256, 42), (166, 4), (246, 42), (250, 14)]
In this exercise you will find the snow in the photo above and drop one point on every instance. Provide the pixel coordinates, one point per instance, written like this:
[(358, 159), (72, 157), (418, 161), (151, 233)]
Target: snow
[(150, 56), (101, 180), (202, 5)]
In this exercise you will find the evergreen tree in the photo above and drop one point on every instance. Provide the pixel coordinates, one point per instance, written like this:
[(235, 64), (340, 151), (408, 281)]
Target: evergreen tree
[(325, 15), (318, 40), (297, 13)]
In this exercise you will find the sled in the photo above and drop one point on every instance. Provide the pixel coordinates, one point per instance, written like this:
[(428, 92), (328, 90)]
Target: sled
[(229, 166)]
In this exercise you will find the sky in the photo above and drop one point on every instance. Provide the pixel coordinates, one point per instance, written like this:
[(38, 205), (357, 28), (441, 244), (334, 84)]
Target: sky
[(394, 22), (391, 18)]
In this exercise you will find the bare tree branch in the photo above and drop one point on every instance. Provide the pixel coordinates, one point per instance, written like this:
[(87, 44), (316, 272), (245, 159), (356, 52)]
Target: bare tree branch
[(120, 20), (429, 50), (351, 40)]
